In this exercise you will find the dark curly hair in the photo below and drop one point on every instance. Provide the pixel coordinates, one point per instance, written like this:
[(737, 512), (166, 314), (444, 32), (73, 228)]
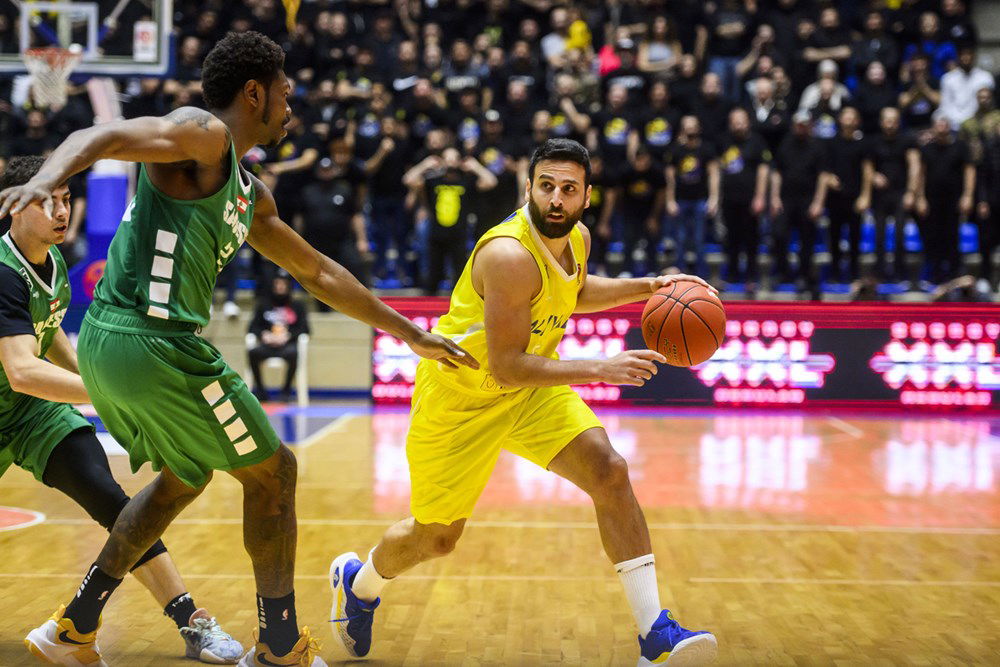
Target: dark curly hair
[(20, 170), (562, 150), (235, 59)]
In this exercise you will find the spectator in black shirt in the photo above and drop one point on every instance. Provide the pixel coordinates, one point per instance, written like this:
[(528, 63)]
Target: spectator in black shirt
[(641, 200), (447, 184), (612, 131), (568, 120), (405, 71), (36, 139), (875, 45), (896, 163), (658, 121), (730, 30), (467, 118), (523, 66), (519, 109), (692, 191), (461, 73), (384, 43), (848, 176), (769, 116), (331, 217), (289, 165), (744, 160), (956, 25), (712, 108), (425, 111), (784, 16), (390, 224), (875, 93), (796, 198), (498, 154), (627, 74), (946, 198), (988, 208), (684, 88), (277, 323), (921, 97), (830, 41)]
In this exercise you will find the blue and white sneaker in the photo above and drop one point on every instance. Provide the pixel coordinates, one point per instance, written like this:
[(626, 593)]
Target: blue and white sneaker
[(352, 618), (205, 640), (668, 643)]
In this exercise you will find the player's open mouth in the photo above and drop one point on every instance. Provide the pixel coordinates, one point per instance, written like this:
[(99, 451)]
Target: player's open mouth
[(555, 216), (61, 229)]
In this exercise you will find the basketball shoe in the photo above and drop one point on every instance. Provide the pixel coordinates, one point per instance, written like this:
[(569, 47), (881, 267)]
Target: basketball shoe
[(205, 640), (305, 653), (352, 618), (668, 643), (57, 641)]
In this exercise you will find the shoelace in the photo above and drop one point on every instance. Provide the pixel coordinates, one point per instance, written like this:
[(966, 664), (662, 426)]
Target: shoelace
[(208, 627), (312, 648)]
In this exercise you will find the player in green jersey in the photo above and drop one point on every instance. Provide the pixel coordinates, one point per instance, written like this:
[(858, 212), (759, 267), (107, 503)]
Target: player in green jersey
[(169, 393), (40, 432)]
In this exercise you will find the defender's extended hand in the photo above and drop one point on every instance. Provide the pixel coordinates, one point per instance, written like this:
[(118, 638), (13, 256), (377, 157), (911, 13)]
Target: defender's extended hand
[(16, 199), (439, 348)]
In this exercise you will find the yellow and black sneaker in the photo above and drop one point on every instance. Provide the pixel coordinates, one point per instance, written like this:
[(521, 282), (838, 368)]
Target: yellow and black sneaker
[(305, 653), (56, 641)]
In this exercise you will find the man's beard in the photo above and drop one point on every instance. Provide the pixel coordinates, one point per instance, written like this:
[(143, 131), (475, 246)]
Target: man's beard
[(549, 229)]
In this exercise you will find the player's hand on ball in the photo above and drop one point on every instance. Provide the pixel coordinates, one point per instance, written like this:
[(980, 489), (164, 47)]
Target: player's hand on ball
[(439, 348), (632, 367), (17, 198), (662, 281)]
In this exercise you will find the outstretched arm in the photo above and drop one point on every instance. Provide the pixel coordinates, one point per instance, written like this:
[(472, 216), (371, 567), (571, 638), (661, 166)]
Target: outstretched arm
[(184, 134), (334, 285)]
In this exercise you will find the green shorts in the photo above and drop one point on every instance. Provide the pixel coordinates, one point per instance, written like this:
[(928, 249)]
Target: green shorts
[(169, 397), (40, 427)]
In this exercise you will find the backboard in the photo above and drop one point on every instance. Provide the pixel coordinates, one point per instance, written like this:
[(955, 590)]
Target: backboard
[(118, 37)]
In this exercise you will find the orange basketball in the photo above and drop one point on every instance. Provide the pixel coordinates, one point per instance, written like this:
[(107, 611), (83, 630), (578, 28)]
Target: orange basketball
[(684, 322)]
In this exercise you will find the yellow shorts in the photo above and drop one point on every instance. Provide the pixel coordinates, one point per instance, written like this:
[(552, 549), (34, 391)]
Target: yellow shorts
[(455, 439)]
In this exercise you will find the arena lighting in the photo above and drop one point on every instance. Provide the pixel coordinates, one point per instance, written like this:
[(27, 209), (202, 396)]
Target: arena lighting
[(896, 356)]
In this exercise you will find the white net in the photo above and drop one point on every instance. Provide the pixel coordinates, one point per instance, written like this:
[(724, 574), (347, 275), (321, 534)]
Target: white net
[(50, 68)]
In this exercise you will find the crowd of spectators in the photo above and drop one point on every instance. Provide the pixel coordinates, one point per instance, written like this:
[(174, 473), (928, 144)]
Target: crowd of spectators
[(792, 127)]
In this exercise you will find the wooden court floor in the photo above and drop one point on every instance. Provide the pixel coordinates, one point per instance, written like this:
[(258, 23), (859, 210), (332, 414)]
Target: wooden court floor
[(798, 540)]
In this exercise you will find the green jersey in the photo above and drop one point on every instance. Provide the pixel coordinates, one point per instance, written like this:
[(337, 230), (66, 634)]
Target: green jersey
[(167, 253), (47, 304)]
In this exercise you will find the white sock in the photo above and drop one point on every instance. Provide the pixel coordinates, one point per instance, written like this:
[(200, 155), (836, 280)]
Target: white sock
[(368, 583), (638, 577)]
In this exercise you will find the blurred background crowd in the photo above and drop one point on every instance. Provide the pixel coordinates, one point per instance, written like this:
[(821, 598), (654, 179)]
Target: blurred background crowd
[(779, 147)]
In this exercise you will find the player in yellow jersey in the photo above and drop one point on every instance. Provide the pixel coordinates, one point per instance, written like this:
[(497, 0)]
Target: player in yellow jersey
[(509, 309)]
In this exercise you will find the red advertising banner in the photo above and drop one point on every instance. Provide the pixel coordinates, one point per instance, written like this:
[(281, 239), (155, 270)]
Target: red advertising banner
[(871, 355)]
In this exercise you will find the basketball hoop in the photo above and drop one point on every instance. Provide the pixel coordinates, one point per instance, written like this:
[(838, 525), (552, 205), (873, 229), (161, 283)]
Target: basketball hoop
[(50, 68)]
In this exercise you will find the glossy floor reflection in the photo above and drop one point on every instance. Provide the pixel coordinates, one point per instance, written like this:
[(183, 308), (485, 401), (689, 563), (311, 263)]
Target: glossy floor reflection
[(798, 539)]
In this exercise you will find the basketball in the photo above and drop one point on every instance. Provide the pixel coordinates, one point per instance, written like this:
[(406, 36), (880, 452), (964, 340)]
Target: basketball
[(684, 322)]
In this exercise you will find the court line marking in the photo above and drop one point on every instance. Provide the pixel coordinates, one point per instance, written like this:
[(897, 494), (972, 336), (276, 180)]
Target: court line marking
[(839, 582), (37, 518), (852, 431), (335, 426), (541, 577), (547, 525)]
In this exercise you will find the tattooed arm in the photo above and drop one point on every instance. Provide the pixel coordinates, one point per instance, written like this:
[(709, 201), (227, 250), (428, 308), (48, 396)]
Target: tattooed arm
[(186, 134)]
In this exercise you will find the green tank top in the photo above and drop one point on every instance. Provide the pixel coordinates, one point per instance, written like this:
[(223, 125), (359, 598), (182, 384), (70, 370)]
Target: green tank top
[(47, 304), (167, 253)]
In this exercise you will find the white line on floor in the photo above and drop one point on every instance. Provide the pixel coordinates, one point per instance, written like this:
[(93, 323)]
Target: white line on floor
[(852, 431), (587, 525), (532, 577), (839, 582)]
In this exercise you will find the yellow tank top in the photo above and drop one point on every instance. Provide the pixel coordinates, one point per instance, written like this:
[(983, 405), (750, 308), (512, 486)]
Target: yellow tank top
[(551, 308)]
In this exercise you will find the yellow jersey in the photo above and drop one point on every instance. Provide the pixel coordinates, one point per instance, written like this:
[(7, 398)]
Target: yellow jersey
[(551, 308)]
